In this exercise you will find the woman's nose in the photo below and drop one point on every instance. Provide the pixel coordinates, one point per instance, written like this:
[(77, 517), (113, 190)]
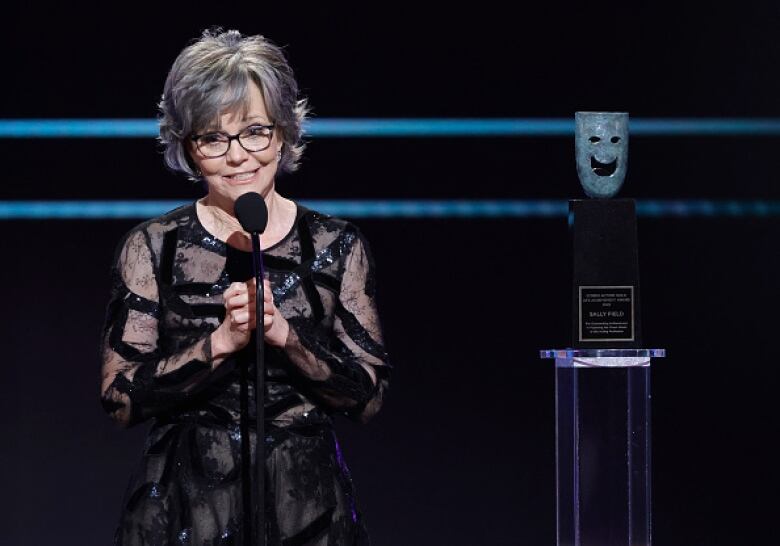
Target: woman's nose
[(236, 153)]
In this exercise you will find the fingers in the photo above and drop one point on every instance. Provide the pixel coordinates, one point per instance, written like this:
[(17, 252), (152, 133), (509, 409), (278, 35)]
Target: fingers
[(244, 320), (234, 290), (267, 294), (243, 313), (240, 316), (248, 286), (239, 293), (239, 301)]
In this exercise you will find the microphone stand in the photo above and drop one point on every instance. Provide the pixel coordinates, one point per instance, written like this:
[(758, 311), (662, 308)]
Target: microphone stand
[(252, 213), (259, 273)]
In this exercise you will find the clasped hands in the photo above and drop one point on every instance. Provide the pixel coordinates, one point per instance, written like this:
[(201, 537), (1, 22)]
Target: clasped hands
[(236, 329)]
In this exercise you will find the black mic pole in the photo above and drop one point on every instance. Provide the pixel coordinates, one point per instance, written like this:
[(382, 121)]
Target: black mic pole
[(257, 269), (252, 214)]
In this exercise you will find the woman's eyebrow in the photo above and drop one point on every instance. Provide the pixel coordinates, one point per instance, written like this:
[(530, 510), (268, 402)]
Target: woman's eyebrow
[(219, 129), (256, 117)]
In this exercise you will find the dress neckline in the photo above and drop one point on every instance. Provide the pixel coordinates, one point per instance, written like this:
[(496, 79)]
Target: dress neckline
[(299, 211)]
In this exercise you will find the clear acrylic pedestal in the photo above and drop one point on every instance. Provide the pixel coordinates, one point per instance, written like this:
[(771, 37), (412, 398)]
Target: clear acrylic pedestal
[(602, 431)]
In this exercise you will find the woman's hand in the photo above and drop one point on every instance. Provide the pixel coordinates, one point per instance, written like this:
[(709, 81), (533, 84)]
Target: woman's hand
[(236, 329), (275, 326)]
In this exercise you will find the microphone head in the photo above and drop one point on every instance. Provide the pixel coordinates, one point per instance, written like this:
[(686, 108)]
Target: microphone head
[(251, 212)]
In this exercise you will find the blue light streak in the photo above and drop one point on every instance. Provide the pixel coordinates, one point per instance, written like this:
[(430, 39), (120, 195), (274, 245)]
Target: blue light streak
[(405, 127), (113, 210)]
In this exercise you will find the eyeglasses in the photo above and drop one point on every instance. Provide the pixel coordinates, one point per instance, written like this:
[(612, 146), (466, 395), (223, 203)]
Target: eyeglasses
[(254, 138)]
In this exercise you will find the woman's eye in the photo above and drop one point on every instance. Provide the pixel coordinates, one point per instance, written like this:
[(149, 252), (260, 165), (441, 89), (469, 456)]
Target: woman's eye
[(257, 130), (594, 139), (211, 138), (614, 139)]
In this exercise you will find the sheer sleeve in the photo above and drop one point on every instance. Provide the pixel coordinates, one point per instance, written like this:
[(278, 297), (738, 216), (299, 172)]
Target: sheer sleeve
[(348, 366), (144, 373)]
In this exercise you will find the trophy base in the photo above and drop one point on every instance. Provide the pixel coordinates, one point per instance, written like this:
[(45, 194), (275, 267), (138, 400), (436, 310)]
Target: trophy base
[(602, 402)]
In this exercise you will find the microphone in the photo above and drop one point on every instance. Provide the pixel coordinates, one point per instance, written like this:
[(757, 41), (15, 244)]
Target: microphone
[(252, 213)]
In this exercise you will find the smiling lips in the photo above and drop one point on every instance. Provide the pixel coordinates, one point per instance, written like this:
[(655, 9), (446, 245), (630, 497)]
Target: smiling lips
[(239, 178), (603, 169)]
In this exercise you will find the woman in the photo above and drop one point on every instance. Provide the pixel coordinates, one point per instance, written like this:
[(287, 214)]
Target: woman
[(178, 330)]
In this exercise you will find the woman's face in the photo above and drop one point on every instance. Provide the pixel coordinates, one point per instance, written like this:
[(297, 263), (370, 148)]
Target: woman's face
[(240, 171)]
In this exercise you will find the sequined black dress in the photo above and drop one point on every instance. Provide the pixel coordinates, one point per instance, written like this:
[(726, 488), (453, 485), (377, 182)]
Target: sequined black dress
[(168, 280)]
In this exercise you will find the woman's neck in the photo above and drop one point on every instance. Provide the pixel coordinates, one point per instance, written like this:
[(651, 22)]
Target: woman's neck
[(221, 221)]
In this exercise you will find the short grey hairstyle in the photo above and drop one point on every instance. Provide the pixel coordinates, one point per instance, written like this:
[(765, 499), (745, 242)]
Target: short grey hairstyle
[(211, 77)]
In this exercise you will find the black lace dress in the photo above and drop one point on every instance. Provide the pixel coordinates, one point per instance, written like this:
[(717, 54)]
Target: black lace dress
[(168, 280)]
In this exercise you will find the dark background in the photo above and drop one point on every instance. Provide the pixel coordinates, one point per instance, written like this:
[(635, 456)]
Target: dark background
[(463, 452)]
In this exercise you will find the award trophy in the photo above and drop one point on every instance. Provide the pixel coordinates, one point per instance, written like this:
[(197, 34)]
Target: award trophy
[(602, 383)]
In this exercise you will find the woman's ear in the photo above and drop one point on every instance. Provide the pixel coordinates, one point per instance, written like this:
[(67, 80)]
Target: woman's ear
[(190, 156)]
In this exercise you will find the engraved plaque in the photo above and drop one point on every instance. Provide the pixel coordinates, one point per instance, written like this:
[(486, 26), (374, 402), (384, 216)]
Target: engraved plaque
[(606, 313)]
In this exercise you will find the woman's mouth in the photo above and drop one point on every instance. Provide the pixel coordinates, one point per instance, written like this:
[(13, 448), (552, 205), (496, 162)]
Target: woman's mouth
[(242, 177)]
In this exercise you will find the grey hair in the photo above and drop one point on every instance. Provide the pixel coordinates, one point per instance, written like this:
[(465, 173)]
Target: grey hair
[(211, 77)]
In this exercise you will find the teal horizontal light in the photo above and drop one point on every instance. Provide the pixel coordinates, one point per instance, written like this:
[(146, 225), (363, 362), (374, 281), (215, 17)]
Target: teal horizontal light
[(107, 210), (427, 127), (405, 127), (78, 128)]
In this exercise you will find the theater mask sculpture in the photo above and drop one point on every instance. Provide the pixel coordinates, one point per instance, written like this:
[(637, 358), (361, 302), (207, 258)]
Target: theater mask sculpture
[(601, 143)]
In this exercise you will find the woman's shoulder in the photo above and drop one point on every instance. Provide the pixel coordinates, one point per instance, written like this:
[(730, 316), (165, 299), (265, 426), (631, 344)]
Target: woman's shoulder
[(153, 230), (326, 229), (323, 221)]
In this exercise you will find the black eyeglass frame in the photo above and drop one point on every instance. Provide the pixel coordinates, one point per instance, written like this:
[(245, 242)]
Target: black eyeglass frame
[(231, 138)]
